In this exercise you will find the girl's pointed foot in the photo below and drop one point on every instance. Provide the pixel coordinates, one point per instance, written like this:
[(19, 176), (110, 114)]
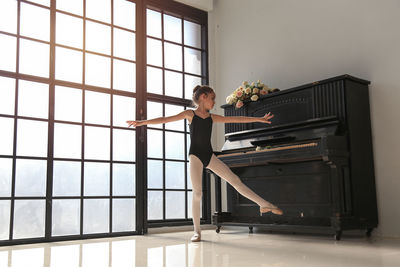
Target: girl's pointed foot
[(196, 237), (273, 209)]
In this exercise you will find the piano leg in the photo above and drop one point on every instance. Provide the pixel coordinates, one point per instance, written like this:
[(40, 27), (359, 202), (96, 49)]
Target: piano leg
[(217, 230), (250, 229), (338, 235), (369, 231)]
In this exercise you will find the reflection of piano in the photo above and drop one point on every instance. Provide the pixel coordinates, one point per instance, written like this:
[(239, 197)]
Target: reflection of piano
[(316, 162)]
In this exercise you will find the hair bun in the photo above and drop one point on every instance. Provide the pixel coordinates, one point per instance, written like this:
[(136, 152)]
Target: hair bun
[(195, 89)]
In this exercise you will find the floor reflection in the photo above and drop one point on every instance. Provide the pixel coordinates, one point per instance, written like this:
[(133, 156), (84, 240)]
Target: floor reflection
[(234, 248)]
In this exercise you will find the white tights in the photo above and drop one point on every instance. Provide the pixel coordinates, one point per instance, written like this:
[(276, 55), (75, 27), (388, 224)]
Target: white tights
[(223, 171)]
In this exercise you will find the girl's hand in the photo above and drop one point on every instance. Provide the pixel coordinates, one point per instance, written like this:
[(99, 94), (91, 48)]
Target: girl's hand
[(134, 123), (267, 117)]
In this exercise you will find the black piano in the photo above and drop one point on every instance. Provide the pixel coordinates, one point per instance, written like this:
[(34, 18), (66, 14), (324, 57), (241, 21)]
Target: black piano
[(315, 161)]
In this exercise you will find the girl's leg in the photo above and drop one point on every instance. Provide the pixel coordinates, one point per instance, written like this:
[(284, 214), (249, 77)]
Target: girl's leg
[(223, 171), (196, 173)]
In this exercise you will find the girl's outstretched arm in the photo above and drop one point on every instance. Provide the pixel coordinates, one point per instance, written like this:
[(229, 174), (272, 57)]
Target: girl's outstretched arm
[(180, 116), (243, 119)]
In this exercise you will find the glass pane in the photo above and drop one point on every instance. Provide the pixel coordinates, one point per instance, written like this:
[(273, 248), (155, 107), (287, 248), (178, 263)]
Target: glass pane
[(98, 37), (8, 53), (74, 6), (29, 218), (154, 205), (99, 9), (30, 178), (32, 138), (64, 256), (154, 110), (97, 108), (192, 61), (5, 208), (124, 76), (155, 176), (154, 80), (124, 145), (172, 29), (66, 217), (33, 99), (97, 70), (97, 143), (124, 44), (124, 179), (6, 136), (173, 56), (69, 65), (95, 254), (175, 205), (67, 141), (97, 179), (67, 178), (34, 58), (35, 256), (5, 177), (175, 145), (192, 33), (154, 52), (125, 14), (8, 16), (190, 84), (174, 175), (69, 30), (171, 110), (96, 218), (154, 144), (68, 104), (153, 23), (173, 84), (34, 18), (124, 215), (124, 109), (123, 253), (7, 95)]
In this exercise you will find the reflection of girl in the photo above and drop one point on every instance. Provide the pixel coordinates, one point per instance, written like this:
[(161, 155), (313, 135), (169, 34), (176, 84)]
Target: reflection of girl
[(201, 153)]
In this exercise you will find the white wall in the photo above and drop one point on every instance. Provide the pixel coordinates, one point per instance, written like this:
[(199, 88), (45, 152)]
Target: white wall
[(287, 43)]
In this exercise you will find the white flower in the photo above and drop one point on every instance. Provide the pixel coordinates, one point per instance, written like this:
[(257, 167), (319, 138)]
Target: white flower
[(247, 90), (254, 98), (252, 84), (245, 83), (255, 90)]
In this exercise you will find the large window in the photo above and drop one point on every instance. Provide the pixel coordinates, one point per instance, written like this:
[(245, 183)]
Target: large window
[(71, 74), (175, 56)]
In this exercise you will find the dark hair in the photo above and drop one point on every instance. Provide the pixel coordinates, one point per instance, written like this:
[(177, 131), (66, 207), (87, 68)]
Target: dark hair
[(198, 91)]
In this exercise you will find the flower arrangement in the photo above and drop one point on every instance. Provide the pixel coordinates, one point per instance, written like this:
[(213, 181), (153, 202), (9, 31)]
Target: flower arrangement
[(246, 91)]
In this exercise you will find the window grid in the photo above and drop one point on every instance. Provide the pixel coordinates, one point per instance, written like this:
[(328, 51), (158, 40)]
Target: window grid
[(51, 80), (51, 84), (186, 103)]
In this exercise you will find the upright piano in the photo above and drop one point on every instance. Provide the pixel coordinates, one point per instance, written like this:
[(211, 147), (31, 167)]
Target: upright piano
[(315, 161)]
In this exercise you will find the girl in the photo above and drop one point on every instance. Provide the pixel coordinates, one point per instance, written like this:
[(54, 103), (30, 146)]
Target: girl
[(201, 153)]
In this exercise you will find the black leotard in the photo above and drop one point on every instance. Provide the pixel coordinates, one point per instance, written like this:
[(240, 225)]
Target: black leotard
[(200, 138)]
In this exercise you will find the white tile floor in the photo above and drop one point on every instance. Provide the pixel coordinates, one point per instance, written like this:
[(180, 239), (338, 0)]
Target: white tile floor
[(231, 247)]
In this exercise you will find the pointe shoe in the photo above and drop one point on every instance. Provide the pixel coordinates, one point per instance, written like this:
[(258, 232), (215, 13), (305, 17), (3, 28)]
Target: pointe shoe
[(273, 209), (196, 237)]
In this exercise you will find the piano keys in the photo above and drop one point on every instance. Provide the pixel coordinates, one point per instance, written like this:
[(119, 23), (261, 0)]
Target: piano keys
[(315, 161)]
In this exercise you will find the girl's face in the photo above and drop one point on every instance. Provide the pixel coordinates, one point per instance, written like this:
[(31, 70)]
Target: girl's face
[(209, 101)]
